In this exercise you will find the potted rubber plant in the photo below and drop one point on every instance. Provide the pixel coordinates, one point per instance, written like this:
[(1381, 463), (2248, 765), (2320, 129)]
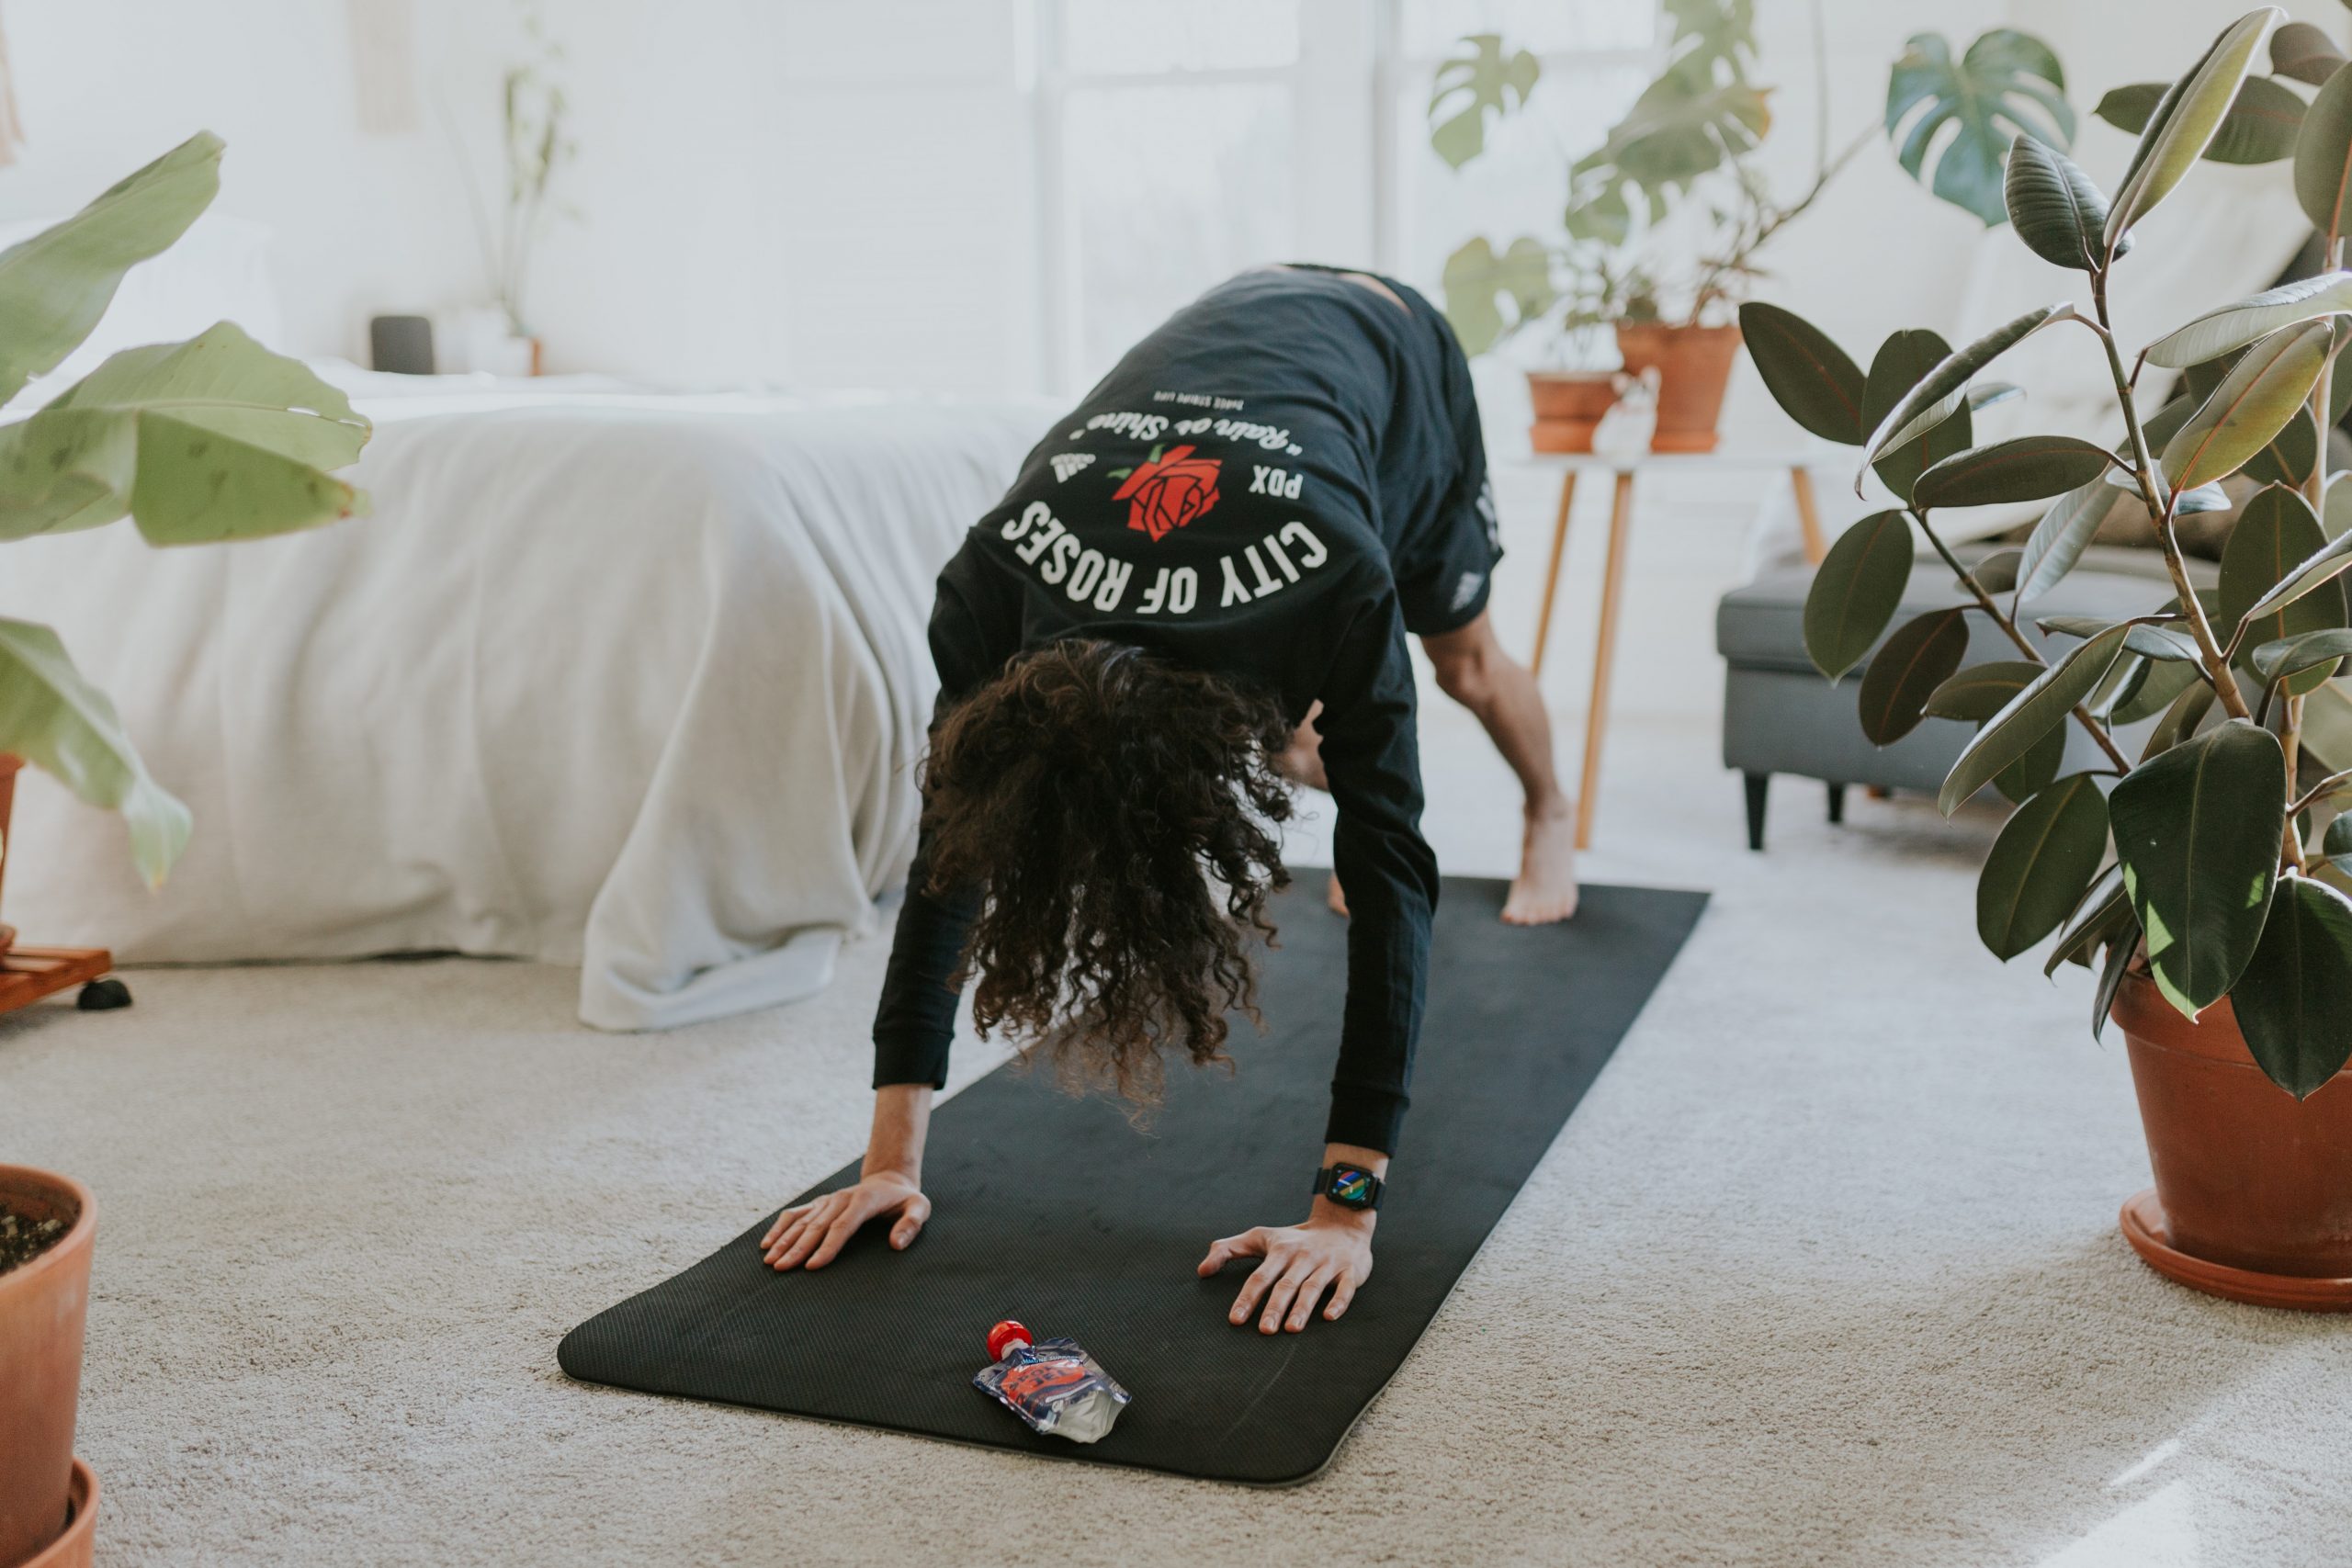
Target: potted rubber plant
[(2202, 874), (1682, 159), (211, 439)]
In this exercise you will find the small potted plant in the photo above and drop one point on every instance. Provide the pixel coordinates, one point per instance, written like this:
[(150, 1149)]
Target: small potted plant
[(47, 1225), (1666, 218), (211, 439), (2200, 872)]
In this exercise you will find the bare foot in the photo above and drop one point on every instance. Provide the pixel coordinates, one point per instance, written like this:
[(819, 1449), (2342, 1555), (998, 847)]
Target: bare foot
[(1545, 889), (1337, 899)]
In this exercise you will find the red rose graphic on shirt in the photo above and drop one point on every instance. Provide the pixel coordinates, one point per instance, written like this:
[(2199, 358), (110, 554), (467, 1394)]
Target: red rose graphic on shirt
[(1166, 492)]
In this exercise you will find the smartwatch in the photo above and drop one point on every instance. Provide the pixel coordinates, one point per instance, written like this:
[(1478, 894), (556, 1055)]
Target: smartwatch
[(1349, 1186)]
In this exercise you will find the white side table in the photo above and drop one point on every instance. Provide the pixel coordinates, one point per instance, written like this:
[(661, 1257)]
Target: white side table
[(1793, 461)]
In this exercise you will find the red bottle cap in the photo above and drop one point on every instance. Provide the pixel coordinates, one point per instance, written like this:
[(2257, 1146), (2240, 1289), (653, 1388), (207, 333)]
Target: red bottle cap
[(1005, 1335)]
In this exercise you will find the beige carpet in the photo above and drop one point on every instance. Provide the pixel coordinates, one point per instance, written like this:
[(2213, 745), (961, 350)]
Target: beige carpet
[(1824, 1271)]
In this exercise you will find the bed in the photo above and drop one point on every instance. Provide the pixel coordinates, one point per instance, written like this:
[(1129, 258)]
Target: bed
[(627, 680)]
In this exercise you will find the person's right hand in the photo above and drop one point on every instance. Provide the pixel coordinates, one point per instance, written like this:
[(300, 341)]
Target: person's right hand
[(810, 1235)]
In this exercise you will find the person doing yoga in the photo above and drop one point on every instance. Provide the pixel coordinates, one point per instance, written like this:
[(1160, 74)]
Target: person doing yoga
[(1198, 591)]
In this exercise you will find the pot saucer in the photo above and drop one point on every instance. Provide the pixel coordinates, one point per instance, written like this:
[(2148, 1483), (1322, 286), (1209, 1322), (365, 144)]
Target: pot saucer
[(2146, 1229)]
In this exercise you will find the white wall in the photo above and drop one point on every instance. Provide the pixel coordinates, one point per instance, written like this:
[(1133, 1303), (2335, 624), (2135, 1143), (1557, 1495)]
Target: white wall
[(840, 193)]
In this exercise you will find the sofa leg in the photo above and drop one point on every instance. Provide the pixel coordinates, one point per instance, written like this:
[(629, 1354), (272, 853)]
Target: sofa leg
[(1757, 784), (1837, 804)]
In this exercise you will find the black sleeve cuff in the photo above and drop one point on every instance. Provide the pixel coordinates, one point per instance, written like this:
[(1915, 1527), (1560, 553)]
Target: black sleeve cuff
[(911, 1058), (1368, 1118)]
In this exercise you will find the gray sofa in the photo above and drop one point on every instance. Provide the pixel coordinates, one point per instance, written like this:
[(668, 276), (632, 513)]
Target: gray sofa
[(1780, 716)]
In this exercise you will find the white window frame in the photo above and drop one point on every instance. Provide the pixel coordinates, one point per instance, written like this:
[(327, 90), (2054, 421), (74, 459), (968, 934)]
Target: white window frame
[(1347, 94)]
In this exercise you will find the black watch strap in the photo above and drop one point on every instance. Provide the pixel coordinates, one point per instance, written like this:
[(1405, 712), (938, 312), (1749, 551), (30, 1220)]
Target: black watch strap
[(1349, 1186)]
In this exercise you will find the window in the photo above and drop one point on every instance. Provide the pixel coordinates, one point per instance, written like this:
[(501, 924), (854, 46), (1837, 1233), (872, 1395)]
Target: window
[(1178, 145)]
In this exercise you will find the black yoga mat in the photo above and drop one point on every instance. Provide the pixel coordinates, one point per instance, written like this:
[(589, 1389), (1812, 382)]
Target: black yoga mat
[(1056, 1211)]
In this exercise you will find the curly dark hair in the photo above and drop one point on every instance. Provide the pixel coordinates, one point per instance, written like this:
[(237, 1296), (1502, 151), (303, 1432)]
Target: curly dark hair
[(1091, 794)]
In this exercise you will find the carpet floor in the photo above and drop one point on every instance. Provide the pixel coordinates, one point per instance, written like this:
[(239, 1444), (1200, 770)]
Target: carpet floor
[(1825, 1270)]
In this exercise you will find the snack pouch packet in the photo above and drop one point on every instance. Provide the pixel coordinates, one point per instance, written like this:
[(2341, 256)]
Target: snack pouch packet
[(1053, 1384)]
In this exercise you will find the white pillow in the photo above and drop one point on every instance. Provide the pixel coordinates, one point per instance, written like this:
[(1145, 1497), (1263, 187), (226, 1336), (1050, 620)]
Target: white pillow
[(219, 271)]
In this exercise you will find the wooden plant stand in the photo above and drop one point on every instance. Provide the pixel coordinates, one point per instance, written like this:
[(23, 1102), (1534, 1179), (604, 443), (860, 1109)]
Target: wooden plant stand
[(28, 974)]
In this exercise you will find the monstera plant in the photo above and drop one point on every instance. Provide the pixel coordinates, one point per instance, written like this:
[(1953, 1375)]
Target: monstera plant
[(1688, 139), (215, 438), (2220, 889), (1683, 154)]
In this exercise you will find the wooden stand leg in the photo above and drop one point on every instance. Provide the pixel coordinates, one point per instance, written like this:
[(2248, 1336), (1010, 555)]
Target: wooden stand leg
[(28, 974), (1551, 577), (1808, 515), (1604, 653)]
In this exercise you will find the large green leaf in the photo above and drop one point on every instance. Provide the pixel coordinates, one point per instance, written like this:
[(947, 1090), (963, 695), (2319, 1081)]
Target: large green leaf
[(1809, 376), (1471, 86), (2182, 719), (2031, 713), (2293, 655), (2276, 533), (215, 438), (2120, 950), (1922, 655), (1979, 692), (55, 285), (1998, 573), (2258, 396), (2285, 459), (2199, 831), (1856, 591), (2184, 120), (2157, 690), (1687, 124), (2064, 532), (1902, 360), (1478, 281), (2009, 84), (2046, 856), (1943, 391), (2230, 327), (2032, 772), (2294, 1000), (2337, 843), (2302, 51), (2097, 916), (2259, 129), (2324, 156), (2322, 567), (2028, 467), (56, 720), (2054, 206)]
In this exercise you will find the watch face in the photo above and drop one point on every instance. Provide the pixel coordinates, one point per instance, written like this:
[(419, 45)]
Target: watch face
[(1350, 1185)]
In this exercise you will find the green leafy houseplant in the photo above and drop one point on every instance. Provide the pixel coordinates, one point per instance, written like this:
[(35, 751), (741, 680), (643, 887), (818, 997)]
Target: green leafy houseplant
[(1684, 153), (215, 438), (2219, 883)]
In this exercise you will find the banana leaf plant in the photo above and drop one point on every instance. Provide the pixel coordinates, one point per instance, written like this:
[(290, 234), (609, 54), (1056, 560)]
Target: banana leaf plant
[(215, 438), (1689, 141), (2208, 855)]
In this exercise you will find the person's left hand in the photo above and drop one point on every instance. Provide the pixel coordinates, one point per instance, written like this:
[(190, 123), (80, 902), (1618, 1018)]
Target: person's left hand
[(1333, 1248)]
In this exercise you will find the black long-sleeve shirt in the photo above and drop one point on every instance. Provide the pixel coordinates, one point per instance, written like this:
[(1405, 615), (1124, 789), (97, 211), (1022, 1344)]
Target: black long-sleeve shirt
[(1240, 494)]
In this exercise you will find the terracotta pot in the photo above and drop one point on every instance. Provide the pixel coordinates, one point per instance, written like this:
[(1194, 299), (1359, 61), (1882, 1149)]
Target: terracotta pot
[(74, 1548), (40, 1362), (1693, 366), (2254, 1190), (1569, 406)]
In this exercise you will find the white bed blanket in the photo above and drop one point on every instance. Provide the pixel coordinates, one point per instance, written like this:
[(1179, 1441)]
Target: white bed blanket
[(634, 681)]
